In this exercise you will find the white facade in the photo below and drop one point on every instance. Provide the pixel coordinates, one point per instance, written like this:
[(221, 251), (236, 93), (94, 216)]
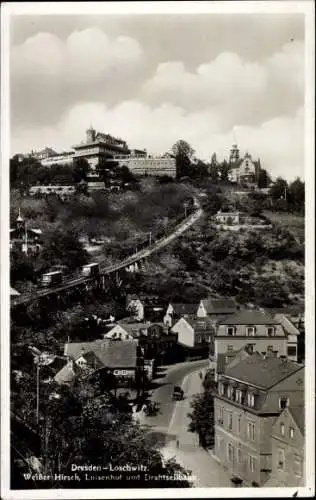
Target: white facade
[(185, 332), (60, 190), (201, 312), (117, 332), (136, 307), (138, 165), (167, 319), (62, 159)]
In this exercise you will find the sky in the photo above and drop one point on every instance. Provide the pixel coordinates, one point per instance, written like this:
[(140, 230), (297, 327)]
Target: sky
[(209, 79)]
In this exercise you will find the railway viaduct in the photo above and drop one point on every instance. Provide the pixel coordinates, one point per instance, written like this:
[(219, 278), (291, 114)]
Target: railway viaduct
[(77, 286)]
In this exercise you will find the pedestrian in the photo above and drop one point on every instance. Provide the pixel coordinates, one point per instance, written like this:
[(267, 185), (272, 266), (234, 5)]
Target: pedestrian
[(178, 443), (201, 375)]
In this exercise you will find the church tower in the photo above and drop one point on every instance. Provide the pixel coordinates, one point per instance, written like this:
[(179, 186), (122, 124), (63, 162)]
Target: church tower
[(234, 154)]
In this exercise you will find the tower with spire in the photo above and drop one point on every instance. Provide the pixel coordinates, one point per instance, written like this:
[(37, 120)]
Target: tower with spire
[(234, 156), (20, 222)]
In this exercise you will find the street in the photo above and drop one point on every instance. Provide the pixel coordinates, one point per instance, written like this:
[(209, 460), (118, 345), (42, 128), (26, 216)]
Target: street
[(171, 425)]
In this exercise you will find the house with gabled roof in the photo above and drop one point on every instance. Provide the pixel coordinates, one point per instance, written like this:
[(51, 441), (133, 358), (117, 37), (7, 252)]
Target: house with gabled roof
[(288, 448), (193, 332), (215, 308), (249, 398), (257, 330), (122, 358), (176, 310)]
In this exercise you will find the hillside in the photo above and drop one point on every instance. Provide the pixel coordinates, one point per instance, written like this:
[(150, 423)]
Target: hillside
[(266, 268), (124, 222)]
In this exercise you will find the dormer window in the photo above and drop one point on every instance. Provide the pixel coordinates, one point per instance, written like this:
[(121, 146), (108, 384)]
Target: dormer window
[(271, 331), (282, 429), (250, 331), (283, 402), (231, 330), (251, 400), (229, 391)]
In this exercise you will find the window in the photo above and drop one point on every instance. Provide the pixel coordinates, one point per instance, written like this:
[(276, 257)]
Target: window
[(239, 457), (230, 348), (230, 452), (271, 331), (291, 432), (283, 402), (251, 400), (230, 421), (291, 350), (251, 431), (231, 331), (281, 459), (229, 391), (297, 465), (251, 463), (282, 429), (221, 415), (250, 331), (239, 424)]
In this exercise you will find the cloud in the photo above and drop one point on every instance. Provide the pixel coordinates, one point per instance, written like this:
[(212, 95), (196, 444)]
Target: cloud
[(241, 91), (86, 56), (278, 142)]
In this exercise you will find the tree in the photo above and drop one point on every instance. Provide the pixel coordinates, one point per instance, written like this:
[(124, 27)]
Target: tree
[(279, 189), (61, 247), (77, 429), (202, 418), (214, 168), (81, 170), (223, 170), (297, 194), (263, 179), (183, 153), (21, 268)]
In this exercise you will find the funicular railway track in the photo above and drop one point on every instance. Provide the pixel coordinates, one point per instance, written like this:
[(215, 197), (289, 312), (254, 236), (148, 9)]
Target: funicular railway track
[(77, 280)]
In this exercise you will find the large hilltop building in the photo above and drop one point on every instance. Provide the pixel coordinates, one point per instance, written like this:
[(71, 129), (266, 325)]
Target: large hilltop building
[(243, 171), (98, 147)]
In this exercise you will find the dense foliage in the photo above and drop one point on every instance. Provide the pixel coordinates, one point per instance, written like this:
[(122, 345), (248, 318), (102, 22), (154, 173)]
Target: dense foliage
[(83, 425), (202, 415)]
